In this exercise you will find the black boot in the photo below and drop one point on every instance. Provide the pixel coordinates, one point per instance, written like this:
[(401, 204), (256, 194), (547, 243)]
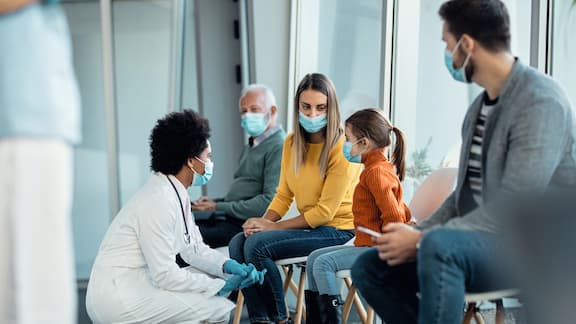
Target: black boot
[(331, 309), (312, 309)]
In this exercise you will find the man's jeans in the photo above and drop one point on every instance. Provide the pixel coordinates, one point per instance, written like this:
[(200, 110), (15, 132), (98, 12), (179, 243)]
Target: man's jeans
[(266, 302), (449, 263)]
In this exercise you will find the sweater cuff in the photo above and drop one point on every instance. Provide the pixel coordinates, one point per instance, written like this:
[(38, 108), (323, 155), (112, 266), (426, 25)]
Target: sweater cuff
[(224, 206)]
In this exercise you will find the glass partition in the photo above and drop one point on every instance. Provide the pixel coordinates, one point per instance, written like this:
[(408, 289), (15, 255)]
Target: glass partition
[(564, 46), (90, 209), (428, 105), (342, 39)]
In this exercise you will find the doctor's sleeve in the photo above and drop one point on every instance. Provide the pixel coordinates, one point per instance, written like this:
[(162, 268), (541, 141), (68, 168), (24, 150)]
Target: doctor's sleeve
[(156, 238)]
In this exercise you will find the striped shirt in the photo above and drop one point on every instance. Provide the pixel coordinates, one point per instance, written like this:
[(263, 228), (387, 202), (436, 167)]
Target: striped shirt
[(475, 156)]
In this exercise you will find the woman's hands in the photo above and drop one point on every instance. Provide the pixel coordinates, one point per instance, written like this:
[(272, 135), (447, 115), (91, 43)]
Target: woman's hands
[(258, 224)]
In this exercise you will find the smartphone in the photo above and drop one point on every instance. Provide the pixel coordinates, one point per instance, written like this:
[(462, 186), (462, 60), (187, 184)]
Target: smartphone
[(368, 231)]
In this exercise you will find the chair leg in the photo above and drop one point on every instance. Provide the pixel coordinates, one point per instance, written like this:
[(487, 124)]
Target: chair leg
[(469, 313), (239, 306), (500, 312), (369, 316), (478, 317), (348, 301), (359, 307), (300, 297)]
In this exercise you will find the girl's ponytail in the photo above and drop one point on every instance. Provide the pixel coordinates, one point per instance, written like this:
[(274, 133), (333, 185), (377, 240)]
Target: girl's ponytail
[(399, 154)]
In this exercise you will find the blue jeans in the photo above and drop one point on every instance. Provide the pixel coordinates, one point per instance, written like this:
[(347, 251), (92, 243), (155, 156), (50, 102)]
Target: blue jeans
[(266, 302), (449, 263), (324, 263)]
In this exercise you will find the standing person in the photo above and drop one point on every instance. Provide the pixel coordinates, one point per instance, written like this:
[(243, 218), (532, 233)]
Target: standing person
[(518, 136), (135, 278), (315, 175), (39, 124), (257, 175), (377, 202)]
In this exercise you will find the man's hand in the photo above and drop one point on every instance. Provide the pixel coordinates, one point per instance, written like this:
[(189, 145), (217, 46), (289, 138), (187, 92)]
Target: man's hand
[(258, 224), (397, 244), (204, 204)]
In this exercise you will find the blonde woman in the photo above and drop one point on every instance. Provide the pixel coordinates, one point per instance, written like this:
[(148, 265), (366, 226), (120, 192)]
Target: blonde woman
[(316, 175)]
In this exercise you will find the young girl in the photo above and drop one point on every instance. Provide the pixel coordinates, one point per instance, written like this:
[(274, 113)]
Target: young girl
[(377, 201)]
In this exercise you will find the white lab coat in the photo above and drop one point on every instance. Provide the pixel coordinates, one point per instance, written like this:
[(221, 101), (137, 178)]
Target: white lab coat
[(135, 278)]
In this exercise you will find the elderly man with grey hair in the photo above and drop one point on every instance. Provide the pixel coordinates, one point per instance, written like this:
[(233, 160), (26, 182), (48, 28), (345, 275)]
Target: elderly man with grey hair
[(257, 175)]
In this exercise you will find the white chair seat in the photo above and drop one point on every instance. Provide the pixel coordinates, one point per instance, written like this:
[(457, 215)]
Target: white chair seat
[(343, 274), (490, 295), (289, 261)]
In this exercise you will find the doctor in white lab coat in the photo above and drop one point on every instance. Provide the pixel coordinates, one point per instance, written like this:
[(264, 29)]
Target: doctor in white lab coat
[(135, 278)]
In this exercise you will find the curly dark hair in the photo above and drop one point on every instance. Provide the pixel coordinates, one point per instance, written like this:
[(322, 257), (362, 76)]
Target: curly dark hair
[(176, 138)]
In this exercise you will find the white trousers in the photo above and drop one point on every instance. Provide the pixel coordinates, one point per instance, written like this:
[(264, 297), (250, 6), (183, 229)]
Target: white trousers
[(37, 278), (121, 295)]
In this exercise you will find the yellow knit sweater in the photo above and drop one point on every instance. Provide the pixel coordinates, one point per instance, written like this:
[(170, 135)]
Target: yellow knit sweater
[(322, 201)]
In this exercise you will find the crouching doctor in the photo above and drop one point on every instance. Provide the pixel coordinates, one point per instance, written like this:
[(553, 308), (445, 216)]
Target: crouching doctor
[(135, 278)]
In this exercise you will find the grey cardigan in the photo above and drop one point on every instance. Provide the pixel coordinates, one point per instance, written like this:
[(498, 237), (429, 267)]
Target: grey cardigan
[(529, 146)]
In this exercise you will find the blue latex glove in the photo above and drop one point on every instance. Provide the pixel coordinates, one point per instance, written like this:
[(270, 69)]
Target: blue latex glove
[(235, 268), (231, 284), (254, 276)]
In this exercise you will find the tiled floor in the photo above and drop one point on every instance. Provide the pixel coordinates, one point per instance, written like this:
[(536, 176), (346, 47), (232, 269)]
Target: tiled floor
[(513, 315)]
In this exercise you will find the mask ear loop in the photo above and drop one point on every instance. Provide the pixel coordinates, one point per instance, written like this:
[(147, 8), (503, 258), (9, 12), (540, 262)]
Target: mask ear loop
[(191, 166), (465, 60)]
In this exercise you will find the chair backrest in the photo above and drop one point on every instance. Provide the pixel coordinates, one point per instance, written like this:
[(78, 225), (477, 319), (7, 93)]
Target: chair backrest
[(432, 192)]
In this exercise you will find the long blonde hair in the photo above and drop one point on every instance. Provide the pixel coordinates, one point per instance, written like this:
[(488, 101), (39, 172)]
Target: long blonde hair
[(333, 131)]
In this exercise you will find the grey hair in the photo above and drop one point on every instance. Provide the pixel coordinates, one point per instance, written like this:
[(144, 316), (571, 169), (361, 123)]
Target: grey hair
[(270, 98)]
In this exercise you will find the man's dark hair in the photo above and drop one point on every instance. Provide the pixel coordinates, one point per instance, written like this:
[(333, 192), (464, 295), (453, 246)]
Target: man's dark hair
[(176, 138), (487, 21)]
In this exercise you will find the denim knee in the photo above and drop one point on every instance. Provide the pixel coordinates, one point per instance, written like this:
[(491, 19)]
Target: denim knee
[(435, 249), (254, 248), (323, 264), (236, 247)]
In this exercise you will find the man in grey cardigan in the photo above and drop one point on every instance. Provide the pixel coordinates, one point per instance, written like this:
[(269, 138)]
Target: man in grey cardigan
[(256, 178), (518, 136)]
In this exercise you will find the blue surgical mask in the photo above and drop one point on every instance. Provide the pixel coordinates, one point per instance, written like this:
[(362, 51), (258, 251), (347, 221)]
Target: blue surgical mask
[(254, 123), (347, 150), (202, 179), (457, 74), (312, 124)]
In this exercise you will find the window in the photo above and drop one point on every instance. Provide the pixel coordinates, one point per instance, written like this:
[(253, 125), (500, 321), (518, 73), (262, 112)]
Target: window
[(428, 105), (564, 47), (342, 39)]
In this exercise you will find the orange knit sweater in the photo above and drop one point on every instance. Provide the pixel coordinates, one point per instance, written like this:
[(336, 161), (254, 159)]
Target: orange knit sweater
[(378, 197)]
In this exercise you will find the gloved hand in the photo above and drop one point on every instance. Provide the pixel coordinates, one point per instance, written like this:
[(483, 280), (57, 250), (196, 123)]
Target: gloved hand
[(253, 276), (233, 267), (231, 284)]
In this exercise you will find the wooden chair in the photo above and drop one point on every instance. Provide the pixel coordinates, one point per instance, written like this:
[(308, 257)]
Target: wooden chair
[(473, 299), (367, 317), (287, 266)]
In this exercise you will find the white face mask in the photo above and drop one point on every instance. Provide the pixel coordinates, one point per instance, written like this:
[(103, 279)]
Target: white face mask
[(202, 179), (254, 123)]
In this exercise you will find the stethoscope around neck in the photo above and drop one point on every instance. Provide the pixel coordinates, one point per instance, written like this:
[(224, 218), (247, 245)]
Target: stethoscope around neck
[(186, 232)]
